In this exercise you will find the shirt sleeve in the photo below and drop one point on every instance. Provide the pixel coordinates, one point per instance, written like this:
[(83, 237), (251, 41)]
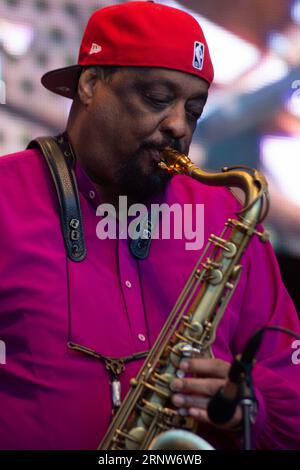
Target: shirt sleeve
[(276, 375)]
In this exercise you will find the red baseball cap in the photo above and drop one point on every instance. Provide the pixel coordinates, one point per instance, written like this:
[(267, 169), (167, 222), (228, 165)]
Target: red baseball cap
[(139, 34)]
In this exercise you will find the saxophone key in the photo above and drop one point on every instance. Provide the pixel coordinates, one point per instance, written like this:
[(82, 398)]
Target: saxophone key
[(196, 329), (135, 438), (214, 276), (180, 374), (176, 354), (229, 285), (189, 352), (162, 392), (162, 379), (133, 382)]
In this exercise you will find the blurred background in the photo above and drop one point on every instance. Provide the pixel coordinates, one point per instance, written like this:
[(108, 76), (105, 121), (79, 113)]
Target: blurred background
[(252, 116)]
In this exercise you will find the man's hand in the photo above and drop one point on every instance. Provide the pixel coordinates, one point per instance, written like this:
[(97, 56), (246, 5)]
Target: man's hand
[(194, 393)]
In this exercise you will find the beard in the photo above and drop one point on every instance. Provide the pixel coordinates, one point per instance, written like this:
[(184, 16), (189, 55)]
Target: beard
[(140, 177)]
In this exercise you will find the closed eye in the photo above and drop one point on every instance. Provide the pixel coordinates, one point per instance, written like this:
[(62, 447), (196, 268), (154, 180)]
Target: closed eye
[(194, 115), (156, 100), (194, 107)]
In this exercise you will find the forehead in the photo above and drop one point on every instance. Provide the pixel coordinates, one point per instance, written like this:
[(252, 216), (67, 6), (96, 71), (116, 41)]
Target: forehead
[(171, 80)]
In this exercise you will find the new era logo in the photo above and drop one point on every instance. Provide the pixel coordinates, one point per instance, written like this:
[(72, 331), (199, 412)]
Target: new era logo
[(198, 55), (95, 48)]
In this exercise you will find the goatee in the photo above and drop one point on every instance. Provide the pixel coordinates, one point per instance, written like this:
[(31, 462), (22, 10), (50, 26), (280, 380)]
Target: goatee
[(140, 183)]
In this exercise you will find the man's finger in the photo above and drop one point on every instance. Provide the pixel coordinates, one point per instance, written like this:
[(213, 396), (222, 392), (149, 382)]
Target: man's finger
[(187, 401), (206, 367), (205, 387)]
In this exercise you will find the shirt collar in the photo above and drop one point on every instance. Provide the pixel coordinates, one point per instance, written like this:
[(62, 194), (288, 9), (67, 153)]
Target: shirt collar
[(85, 186)]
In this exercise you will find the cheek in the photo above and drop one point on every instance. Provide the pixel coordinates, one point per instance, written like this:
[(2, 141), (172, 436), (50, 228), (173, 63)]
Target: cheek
[(139, 122), (122, 123), (109, 126)]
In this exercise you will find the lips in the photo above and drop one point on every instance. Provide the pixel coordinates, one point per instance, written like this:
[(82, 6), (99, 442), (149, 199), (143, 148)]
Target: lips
[(155, 155)]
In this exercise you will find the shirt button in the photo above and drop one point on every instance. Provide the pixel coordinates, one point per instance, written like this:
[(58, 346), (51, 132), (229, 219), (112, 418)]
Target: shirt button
[(128, 284), (141, 337), (92, 194)]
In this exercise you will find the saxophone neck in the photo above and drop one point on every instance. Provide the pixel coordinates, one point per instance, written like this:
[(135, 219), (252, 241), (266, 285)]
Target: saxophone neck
[(251, 181)]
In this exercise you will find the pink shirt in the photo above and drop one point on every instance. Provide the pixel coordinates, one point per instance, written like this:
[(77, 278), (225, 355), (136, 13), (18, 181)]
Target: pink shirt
[(54, 398)]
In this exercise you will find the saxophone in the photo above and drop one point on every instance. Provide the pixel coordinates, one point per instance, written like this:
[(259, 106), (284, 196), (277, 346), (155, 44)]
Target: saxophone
[(147, 419)]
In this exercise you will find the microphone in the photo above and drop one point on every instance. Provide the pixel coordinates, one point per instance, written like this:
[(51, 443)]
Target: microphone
[(222, 405)]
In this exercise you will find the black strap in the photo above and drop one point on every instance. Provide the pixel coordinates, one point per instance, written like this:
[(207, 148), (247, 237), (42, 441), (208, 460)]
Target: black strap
[(140, 247), (60, 159)]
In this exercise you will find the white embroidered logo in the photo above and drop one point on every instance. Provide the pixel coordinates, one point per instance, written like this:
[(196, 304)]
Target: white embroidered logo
[(198, 60), (95, 48)]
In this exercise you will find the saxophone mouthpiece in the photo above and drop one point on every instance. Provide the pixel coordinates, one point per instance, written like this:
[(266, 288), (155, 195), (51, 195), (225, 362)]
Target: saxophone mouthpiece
[(174, 161), (163, 166)]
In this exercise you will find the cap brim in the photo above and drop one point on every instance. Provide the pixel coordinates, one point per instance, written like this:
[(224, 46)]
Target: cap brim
[(63, 81)]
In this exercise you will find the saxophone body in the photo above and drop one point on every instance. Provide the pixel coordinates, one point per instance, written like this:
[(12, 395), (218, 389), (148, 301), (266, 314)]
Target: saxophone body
[(147, 418)]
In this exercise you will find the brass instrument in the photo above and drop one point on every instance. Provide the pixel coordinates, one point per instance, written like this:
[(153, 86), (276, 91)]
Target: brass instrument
[(147, 419)]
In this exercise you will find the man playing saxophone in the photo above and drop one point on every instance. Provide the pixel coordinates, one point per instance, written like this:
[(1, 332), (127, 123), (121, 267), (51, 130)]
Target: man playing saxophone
[(77, 331)]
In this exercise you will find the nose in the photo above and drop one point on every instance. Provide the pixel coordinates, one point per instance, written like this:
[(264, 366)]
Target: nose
[(175, 123)]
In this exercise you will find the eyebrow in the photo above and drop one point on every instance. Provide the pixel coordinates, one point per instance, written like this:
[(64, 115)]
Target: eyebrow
[(203, 95)]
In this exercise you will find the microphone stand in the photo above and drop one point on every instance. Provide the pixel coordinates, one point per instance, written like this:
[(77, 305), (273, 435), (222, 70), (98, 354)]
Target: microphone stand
[(247, 402), (239, 388)]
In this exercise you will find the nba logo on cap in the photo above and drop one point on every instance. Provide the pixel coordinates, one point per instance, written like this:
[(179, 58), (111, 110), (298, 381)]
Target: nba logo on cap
[(198, 55)]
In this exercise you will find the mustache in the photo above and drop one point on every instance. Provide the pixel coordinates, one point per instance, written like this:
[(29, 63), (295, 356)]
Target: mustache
[(151, 145)]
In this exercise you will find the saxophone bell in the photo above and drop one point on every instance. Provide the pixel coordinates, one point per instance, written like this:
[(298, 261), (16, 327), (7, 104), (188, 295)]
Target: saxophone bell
[(176, 439)]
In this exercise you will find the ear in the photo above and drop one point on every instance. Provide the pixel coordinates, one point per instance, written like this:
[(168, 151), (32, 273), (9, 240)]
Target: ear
[(87, 85)]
